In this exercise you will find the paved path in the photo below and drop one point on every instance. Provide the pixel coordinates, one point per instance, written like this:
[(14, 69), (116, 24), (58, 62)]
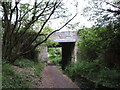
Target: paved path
[(53, 78)]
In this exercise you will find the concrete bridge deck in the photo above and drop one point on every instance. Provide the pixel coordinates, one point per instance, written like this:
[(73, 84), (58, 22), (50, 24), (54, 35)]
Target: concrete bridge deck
[(67, 40), (65, 36)]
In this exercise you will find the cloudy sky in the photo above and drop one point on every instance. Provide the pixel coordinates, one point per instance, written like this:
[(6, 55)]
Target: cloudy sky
[(70, 4), (83, 21)]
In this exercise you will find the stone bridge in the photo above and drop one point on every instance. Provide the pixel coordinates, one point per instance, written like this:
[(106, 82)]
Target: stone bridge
[(67, 41)]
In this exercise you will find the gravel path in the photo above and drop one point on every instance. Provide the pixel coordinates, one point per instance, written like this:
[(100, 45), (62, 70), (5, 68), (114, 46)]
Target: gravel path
[(53, 78)]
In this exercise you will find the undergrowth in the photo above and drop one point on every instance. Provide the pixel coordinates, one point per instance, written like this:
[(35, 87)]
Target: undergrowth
[(22, 74), (12, 80), (94, 71), (54, 54)]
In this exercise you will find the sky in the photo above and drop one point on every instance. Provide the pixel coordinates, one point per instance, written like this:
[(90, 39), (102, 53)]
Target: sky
[(83, 21), (70, 4), (71, 9)]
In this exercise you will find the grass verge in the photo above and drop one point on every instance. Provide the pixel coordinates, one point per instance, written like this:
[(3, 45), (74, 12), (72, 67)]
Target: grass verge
[(22, 74), (95, 72)]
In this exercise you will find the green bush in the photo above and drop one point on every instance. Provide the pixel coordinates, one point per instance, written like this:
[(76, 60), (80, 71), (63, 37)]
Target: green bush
[(22, 74), (56, 60), (10, 79), (51, 56), (38, 68), (95, 71), (91, 45), (24, 63), (55, 55), (84, 67), (100, 42), (109, 78)]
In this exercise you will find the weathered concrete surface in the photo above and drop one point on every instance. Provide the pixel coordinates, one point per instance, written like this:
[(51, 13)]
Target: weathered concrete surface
[(53, 78), (67, 40), (65, 36), (43, 53)]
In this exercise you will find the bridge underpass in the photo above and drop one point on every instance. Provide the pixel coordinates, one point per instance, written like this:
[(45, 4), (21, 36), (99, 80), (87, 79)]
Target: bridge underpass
[(67, 50), (67, 41), (52, 77)]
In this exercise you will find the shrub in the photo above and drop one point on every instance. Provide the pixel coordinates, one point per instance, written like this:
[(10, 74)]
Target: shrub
[(109, 78), (100, 42), (21, 75), (95, 71), (24, 63), (84, 68), (38, 68), (90, 46), (55, 55), (10, 79)]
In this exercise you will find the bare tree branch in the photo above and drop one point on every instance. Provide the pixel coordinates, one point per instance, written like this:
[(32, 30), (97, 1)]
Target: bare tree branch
[(55, 6), (49, 36), (16, 21), (27, 26), (112, 5), (12, 10), (5, 10), (17, 37), (117, 12), (32, 21), (46, 21), (114, 11)]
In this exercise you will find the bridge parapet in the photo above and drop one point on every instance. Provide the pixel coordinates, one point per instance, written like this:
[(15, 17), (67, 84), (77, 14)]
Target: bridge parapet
[(65, 36)]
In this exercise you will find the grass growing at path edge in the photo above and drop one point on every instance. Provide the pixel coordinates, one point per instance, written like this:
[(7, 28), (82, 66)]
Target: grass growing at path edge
[(96, 72), (23, 74)]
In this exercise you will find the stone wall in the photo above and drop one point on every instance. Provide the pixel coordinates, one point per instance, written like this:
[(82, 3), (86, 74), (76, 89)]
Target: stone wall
[(43, 53)]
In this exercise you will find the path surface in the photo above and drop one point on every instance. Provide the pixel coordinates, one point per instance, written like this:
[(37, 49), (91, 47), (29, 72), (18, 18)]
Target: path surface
[(53, 78)]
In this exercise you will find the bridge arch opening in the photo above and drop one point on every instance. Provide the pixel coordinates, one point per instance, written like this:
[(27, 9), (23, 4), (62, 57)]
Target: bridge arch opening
[(67, 41), (67, 52), (55, 55)]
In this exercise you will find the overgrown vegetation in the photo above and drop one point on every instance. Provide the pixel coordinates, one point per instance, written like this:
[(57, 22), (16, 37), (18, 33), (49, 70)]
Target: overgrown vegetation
[(95, 72), (23, 74), (25, 25), (100, 42), (10, 79), (98, 57), (98, 51), (55, 55)]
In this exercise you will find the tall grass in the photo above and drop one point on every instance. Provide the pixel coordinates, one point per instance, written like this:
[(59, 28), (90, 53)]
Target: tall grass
[(96, 72), (10, 79), (21, 73)]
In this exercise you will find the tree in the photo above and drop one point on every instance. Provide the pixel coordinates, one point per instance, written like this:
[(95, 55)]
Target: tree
[(18, 19), (102, 11), (107, 22)]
